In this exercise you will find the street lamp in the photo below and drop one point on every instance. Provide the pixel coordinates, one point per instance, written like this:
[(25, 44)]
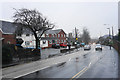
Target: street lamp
[(109, 32)]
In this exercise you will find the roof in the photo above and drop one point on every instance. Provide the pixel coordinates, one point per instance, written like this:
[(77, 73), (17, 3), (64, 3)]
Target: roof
[(50, 32), (57, 31), (54, 31), (7, 27), (10, 28)]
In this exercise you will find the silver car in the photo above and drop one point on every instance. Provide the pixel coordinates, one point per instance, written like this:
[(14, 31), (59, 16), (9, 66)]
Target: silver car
[(87, 47), (98, 47)]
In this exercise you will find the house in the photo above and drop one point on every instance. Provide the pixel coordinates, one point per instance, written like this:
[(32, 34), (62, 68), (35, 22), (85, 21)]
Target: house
[(7, 30), (55, 36)]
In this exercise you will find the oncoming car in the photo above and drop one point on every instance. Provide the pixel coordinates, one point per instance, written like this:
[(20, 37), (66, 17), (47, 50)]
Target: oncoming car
[(98, 47), (87, 47)]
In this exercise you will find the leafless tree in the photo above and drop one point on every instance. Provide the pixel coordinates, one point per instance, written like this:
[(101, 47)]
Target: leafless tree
[(85, 36), (34, 21)]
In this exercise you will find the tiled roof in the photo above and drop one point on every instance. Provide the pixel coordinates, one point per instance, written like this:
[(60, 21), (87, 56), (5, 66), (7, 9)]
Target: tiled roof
[(7, 27), (53, 31)]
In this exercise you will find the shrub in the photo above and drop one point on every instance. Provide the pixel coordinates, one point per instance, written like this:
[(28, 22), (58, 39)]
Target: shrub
[(6, 54)]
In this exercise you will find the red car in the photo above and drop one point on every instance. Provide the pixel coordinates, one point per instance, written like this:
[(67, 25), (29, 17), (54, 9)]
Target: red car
[(63, 45)]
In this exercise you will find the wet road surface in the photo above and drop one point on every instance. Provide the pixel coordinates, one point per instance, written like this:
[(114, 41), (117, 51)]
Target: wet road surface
[(92, 64)]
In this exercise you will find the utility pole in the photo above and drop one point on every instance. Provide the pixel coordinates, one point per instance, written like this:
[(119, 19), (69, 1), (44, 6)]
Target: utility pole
[(76, 38), (112, 33), (75, 34)]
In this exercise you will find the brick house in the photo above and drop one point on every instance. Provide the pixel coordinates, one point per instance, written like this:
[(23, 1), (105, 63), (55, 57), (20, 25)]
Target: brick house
[(7, 30), (55, 36)]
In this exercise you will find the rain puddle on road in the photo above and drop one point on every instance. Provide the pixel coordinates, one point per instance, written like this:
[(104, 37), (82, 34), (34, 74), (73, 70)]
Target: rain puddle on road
[(61, 64)]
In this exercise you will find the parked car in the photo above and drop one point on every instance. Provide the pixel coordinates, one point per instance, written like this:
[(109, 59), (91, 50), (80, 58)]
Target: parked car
[(56, 46), (98, 47), (78, 45), (87, 47), (63, 45)]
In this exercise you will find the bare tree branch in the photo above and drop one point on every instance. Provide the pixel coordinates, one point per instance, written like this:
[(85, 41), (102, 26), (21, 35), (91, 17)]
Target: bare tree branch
[(33, 20)]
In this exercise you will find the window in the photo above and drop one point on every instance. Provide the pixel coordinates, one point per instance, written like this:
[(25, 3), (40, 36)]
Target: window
[(47, 35), (55, 41), (61, 35), (44, 42), (58, 35), (27, 34), (64, 35), (27, 43), (50, 41), (64, 40)]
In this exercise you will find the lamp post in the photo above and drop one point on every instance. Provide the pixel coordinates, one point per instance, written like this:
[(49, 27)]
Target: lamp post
[(109, 32)]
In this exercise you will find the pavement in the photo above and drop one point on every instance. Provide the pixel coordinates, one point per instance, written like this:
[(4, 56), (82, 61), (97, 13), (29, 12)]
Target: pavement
[(81, 64)]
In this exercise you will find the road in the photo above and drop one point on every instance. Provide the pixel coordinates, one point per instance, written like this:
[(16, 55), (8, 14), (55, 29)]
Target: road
[(91, 64)]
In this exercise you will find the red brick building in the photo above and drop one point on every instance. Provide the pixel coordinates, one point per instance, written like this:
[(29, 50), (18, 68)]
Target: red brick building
[(8, 39), (55, 36), (7, 35)]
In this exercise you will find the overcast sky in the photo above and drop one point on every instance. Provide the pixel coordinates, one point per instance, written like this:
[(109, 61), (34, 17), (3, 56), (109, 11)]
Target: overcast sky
[(68, 15)]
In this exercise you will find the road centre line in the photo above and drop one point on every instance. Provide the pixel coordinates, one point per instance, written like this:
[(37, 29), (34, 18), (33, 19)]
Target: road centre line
[(78, 73), (81, 72)]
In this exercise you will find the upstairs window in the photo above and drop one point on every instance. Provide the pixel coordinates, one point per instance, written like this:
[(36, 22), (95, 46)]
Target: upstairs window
[(58, 35), (61, 35), (27, 34)]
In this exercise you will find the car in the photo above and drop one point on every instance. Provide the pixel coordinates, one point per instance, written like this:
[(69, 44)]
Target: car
[(87, 47), (98, 47), (63, 45), (55, 45)]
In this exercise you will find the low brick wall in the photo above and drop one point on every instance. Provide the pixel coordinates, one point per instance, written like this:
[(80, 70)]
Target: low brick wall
[(65, 50), (28, 53), (116, 45)]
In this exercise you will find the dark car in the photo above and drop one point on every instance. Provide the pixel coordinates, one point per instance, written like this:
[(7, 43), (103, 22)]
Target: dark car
[(55, 45)]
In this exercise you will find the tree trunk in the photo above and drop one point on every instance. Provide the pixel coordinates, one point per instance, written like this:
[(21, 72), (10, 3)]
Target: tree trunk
[(36, 41)]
